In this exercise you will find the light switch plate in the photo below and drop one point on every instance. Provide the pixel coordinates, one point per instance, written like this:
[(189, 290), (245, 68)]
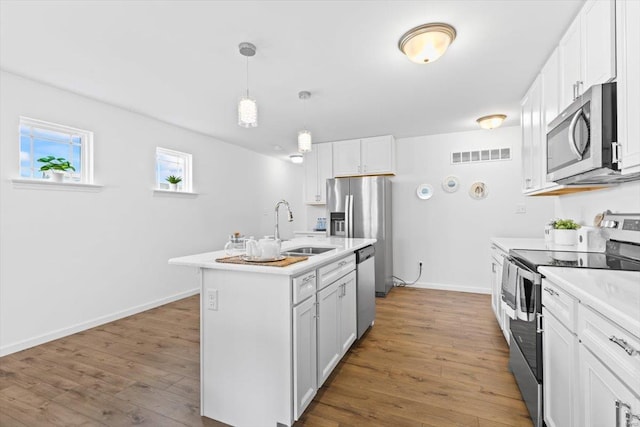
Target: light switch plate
[(521, 208)]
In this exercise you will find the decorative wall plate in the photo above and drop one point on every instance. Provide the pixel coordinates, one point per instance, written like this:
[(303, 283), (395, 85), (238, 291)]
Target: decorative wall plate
[(451, 184), (478, 190), (424, 191)]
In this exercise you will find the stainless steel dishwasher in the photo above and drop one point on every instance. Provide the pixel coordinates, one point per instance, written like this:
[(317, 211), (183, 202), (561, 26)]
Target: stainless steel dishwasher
[(366, 288)]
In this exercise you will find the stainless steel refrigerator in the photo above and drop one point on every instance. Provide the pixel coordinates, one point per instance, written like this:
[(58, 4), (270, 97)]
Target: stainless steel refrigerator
[(361, 207)]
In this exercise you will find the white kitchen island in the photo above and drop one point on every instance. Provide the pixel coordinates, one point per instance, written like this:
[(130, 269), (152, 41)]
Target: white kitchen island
[(270, 336)]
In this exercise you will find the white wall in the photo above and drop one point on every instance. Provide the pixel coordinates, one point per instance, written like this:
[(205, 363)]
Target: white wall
[(583, 207), (70, 260), (450, 232)]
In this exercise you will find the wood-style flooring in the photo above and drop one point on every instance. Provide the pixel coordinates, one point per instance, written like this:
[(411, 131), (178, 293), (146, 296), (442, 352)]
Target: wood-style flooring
[(433, 358)]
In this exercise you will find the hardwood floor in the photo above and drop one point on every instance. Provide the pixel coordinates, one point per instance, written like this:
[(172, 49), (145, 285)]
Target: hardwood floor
[(433, 358)]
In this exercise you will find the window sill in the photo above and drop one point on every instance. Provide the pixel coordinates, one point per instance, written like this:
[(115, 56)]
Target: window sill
[(162, 193), (41, 184)]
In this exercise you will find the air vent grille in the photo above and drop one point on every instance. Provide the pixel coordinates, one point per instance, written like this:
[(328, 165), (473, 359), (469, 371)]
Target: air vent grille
[(484, 155)]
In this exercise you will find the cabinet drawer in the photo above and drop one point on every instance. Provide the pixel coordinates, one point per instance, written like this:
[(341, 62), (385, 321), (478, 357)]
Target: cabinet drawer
[(304, 286), (617, 348), (332, 272), (560, 304)]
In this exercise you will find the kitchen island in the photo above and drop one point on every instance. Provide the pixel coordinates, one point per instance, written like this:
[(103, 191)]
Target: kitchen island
[(270, 336)]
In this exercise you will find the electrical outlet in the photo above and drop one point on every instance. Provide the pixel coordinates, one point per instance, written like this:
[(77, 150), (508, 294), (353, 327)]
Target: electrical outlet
[(521, 208), (212, 299)]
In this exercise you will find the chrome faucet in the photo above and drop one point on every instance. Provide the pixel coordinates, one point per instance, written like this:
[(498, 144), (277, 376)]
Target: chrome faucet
[(290, 216)]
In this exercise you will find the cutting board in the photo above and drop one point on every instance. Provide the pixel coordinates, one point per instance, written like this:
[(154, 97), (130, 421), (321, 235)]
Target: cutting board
[(282, 263)]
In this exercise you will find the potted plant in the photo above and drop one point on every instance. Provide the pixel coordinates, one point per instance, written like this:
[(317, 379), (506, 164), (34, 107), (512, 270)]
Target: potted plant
[(56, 167), (173, 182), (565, 232)]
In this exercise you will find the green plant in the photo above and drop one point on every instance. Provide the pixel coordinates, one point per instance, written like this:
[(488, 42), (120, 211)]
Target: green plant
[(174, 179), (52, 163), (565, 224)]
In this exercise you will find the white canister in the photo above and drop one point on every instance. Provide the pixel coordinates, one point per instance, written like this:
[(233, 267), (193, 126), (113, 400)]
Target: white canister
[(565, 237), (269, 247), (590, 239)]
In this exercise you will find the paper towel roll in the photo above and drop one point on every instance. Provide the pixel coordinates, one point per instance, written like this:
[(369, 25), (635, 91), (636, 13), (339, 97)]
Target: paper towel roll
[(590, 239)]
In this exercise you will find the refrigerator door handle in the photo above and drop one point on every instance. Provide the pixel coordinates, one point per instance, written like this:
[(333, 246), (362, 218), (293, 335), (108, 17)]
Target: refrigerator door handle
[(347, 216), (350, 215)]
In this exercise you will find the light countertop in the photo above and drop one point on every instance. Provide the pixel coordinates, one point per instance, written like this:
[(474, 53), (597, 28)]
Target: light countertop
[(508, 243), (614, 294), (341, 247)]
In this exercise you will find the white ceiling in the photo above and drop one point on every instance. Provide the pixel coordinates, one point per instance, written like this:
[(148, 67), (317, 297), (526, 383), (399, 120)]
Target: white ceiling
[(178, 61)]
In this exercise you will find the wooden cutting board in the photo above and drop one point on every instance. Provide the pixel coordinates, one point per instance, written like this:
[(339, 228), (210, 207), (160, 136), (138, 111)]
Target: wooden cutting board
[(282, 263)]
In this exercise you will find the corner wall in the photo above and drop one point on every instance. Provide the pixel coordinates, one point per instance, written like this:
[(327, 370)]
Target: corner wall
[(70, 260), (450, 232)]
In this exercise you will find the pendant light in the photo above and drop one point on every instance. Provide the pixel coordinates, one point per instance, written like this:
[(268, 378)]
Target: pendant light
[(247, 107), (491, 122), (304, 136), (426, 43)]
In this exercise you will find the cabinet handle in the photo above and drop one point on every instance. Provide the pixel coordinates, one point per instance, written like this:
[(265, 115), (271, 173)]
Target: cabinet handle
[(493, 267), (317, 315), (574, 92), (539, 329), (625, 346), (308, 278), (358, 169), (620, 404), (578, 84), (342, 263), (551, 291), (616, 155)]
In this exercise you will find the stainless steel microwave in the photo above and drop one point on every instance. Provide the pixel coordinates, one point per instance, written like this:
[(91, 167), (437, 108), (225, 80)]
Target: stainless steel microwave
[(582, 141)]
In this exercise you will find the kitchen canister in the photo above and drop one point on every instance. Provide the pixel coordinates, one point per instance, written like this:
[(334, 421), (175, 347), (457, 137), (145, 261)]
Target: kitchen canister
[(590, 239)]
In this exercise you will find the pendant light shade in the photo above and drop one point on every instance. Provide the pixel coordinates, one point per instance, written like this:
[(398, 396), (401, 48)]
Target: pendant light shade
[(426, 43), (247, 106), (304, 141), (491, 122), (304, 136), (247, 112)]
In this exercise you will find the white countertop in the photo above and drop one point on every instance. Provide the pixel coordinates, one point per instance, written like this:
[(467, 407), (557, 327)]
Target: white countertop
[(614, 294), (342, 247), (508, 243)]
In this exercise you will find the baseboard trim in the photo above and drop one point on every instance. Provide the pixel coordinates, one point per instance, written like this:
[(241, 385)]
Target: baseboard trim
[(60, 333), (446, 287)]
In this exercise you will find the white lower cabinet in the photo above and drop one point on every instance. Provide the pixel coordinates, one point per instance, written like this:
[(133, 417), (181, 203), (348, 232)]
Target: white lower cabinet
[(605, 399), (497, 260), (348, 312), (328, 330), (304, 355), (560, 353)]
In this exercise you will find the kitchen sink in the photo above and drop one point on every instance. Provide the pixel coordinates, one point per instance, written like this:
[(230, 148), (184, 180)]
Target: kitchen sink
[(306, 251)]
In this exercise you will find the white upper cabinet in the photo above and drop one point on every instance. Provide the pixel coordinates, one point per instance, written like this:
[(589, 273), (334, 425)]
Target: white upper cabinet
[(317, 169), (628, 66), (533, 139), (550, 89), (587, 50), (366, 156)]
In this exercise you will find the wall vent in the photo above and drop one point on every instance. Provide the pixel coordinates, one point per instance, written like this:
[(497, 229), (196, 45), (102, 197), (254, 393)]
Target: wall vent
[(485, 155)]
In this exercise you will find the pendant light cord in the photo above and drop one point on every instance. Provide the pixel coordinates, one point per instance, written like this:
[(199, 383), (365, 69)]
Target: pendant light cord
[(247, 77)]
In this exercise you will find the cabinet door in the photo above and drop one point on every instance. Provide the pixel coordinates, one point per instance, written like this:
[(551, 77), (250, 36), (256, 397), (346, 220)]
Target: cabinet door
[(628, 46), (560, 380), (311, 194), (304, 355), (570, 48), (496, 289), (324, 153), (378, 155), (328, 331), (598, 47), (348, 312), (604, 399), (346, 158), (550, 89)]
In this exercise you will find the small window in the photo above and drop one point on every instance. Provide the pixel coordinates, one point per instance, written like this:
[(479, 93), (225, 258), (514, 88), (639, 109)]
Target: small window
[(173, 163), (62, 144)]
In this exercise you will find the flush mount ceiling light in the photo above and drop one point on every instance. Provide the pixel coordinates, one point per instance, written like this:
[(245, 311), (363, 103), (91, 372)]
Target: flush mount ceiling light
[(296, 158), (247, 107), (491, 122), (304, 136), (426, 43)]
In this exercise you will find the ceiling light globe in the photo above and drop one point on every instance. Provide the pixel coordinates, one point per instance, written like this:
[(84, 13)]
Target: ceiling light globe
[(247, 112), (296, 158), (304, 141), (491, 122), (426, 43)]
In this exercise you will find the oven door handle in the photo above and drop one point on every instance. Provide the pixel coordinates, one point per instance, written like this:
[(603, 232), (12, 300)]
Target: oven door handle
[(531, 276), (572, 134)]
